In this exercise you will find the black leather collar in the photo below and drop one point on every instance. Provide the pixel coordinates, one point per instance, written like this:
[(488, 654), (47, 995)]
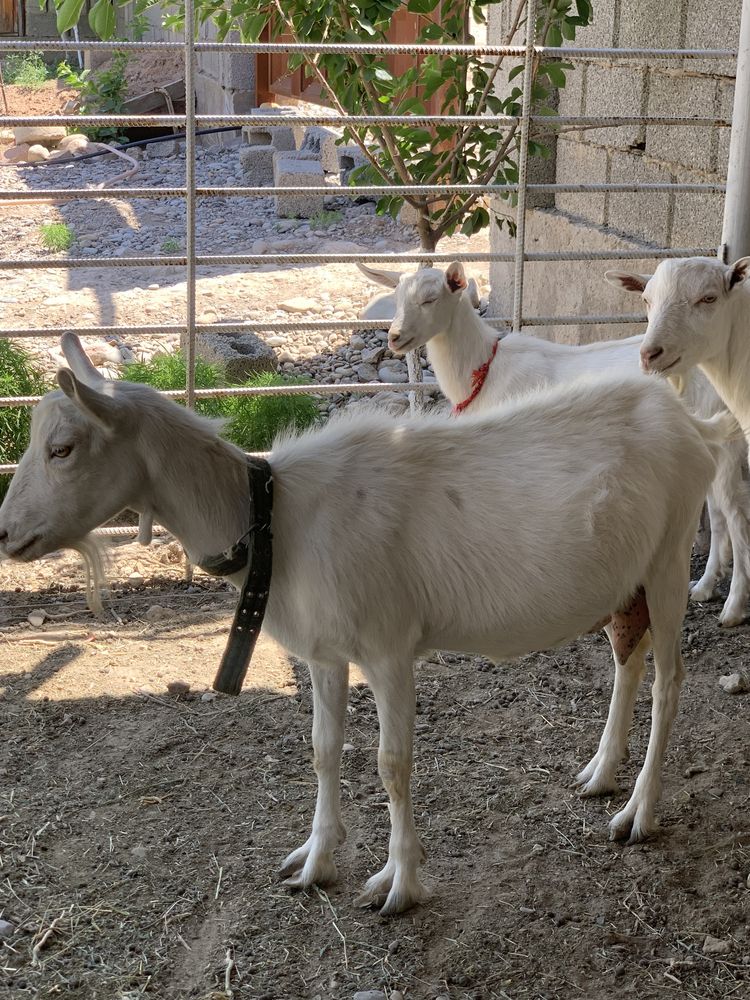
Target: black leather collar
[(255, 548)]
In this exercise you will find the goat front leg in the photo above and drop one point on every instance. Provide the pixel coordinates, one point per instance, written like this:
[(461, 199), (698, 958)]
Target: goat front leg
[(398, 883), (600, 774), (313, 864)]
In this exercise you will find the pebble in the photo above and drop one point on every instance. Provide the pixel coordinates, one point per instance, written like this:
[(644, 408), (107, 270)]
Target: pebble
[(135, 579), (7, 929), (157, 613), (178, 688), (208, 696), (733, 683), (369, 995), (299, 304), (716, 946), (357, 343), (36, 618), (397, 995)]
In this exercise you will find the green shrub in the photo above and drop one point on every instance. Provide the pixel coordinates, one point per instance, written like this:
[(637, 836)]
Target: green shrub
[(25, 69), (18, 377), (252, 421), (169, 371), (56, 236), (102, 92)]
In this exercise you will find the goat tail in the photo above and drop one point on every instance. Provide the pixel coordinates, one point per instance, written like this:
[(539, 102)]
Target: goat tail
[(719, 429), (92, 554)]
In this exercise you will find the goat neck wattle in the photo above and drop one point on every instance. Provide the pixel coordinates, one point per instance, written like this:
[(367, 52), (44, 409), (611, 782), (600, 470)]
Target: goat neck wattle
[(465, 346)]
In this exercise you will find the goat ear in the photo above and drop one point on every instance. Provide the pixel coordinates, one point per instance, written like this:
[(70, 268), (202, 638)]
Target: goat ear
[(78, 360), (624, 279), (455, 277), (388, 278), (737, 273), (473, 292), (96, 404)]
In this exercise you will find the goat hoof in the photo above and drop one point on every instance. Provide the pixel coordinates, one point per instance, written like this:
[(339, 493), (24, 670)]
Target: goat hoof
[(631, 824), (593, 780), (730, 619), (701, 593), (307, 866)]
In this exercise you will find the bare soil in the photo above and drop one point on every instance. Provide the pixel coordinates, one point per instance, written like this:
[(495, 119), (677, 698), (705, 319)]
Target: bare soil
[(141, 830)]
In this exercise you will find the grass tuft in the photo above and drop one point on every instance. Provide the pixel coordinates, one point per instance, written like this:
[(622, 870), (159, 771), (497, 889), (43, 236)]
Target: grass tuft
[(57, 236), (25, 69), (18, 377)]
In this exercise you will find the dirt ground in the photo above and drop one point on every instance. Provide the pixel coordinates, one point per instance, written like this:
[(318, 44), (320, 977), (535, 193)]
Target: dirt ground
[(141, 829)]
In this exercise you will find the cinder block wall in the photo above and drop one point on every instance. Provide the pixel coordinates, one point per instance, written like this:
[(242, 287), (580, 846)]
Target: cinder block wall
[(650, 154)]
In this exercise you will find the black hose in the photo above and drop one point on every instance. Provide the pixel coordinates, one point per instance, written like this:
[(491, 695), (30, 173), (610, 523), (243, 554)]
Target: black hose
[(60, 162)]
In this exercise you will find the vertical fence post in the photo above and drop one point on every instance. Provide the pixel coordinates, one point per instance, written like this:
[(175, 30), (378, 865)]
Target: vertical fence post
[(735, 236), (190, 199), (523, 159)]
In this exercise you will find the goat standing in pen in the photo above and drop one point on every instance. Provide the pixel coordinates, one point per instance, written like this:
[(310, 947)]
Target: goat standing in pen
[(475, 371), (496, 535)]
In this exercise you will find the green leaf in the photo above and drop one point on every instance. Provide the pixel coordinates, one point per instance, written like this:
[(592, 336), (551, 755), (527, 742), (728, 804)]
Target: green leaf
[(68, 14), (555, 74), (102, 19), (553, 36), (516, 71), (422, 6)]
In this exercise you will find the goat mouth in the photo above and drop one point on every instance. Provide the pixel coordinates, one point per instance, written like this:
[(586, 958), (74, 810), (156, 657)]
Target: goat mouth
[(21, 552), (401, 348), (671, 365)]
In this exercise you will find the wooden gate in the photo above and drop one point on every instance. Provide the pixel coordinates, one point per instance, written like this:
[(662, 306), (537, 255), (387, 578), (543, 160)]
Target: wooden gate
[(276, 82), (9, 17)]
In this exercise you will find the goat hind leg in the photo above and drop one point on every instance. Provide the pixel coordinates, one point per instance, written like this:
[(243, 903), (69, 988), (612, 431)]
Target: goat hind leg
[(398, 882), (705, 588), (313, 864), (599, 775)]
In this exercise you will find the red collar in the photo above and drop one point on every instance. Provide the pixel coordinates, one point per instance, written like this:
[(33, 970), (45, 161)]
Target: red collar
[(478, 378)]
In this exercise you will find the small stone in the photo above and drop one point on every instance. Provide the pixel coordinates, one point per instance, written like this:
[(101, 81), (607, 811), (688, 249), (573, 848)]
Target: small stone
[(154, 287), (37, 153), (157, 613), (7, 929), (733, 683), (299, 304), (690, 772), (277, 340), (208, 696), (397, 995), (367, 373), (178, 688), (37, 618), (357, 342), (135, 579), (259, 247), (394, 946), (369, 995), (347, 747), (716, 946), (373, 356)]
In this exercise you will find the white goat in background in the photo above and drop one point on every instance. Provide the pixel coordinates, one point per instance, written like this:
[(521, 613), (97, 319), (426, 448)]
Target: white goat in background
[(498, 534), (432, 308)]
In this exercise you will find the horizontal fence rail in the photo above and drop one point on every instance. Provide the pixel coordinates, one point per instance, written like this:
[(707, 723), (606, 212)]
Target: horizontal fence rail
[(357, 48)]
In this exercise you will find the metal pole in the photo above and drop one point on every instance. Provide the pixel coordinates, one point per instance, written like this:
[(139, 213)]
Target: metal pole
[(735, 236), (190, 199), (523, 159)]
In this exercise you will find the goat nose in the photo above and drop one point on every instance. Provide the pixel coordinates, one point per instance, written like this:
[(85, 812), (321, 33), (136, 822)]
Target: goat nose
[(649, 354)]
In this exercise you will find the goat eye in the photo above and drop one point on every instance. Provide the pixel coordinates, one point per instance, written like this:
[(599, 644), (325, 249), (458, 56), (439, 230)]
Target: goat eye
[(708, 299), (61, 451), (428, 302)]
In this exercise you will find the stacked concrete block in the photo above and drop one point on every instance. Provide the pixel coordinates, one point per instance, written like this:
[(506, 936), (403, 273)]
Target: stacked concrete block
[(322, 141), (674, 96), (295, 172), (349, 158), (281, 137), (616, 91), (241, 355), (577, 162), (642, 214), (257, 164)]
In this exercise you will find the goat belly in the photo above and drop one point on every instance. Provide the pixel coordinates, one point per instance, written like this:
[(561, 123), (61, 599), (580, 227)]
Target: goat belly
[(629, 625)]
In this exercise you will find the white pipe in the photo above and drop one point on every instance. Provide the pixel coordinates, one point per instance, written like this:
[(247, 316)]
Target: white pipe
[(735, 237)]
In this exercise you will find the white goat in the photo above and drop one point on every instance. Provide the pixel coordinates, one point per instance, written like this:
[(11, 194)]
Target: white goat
[(497, 534), (699, 314), (430, 308)]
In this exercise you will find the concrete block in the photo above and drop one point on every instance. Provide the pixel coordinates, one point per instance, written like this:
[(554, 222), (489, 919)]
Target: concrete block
[(349, 159), (641, 215), (322, 141), (651, 24), (565, 287), (726, 109), (615, 91), (297, 173), (675, 96), (697, 219), (599, 34), (570, 97), (212, 98), (715, 26), (257, 164), (579, 162), (279, 136), (240, 354)]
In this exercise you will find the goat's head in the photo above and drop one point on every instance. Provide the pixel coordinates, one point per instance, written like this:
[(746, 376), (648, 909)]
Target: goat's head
[(689, 305), (425, 303), (70, 480)]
